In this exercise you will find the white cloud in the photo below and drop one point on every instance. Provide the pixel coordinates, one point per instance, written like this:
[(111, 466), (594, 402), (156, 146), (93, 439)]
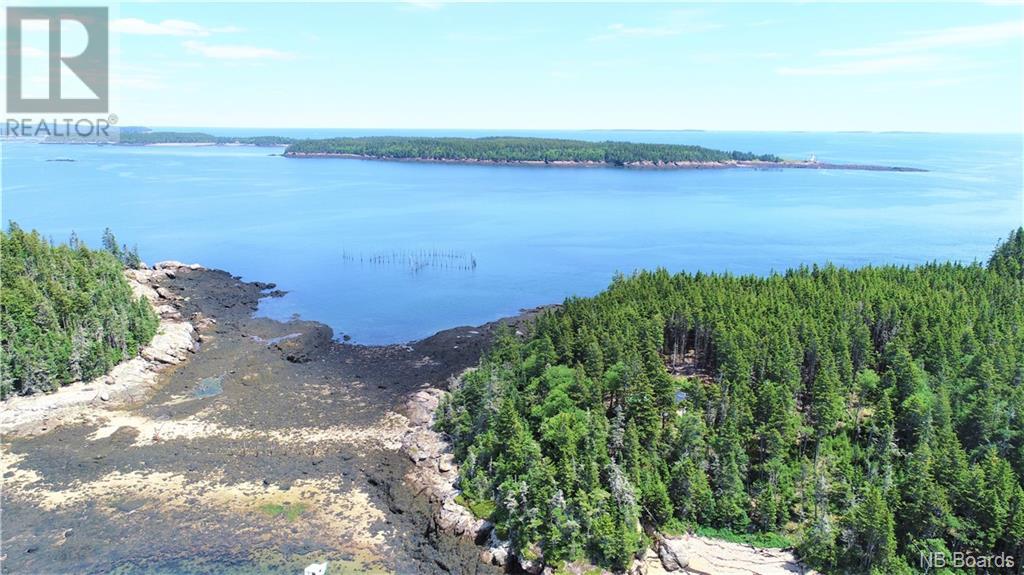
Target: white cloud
[(863, 67), (623, 31), (137, 26), (235, 51), (941, 82), (137, 78), (915, 52), (423, 4), (722, 57), (676, 23), (946, 38)]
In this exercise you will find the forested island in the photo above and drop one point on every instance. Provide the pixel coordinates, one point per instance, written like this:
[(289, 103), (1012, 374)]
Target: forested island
[(551, 152), (66, 311), (516, 150), (866, 416)]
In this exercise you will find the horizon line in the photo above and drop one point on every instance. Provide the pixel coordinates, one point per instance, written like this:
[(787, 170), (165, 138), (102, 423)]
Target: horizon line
[(666, 130)]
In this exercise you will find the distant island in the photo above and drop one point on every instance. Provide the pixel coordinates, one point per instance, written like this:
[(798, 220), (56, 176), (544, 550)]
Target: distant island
[(503, 150), (517, 150), (552, 152), (147, 138)]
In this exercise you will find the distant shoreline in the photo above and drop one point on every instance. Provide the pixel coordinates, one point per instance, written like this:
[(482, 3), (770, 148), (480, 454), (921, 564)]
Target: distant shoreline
[(643, 165)]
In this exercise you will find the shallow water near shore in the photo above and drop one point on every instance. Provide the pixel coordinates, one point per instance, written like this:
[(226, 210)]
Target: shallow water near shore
[(390, 252)]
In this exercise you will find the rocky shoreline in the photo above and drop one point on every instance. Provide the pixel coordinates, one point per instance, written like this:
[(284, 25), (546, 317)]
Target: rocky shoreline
[(176, 338), (272, 447), (644, 165), (434, 477)]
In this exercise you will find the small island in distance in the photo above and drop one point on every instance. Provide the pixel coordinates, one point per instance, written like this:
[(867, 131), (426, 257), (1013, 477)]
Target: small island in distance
[(505, 150), (144, 137)]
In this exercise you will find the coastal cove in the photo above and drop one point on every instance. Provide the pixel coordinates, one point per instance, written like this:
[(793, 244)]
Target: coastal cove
[(381, 251), (294, 458)]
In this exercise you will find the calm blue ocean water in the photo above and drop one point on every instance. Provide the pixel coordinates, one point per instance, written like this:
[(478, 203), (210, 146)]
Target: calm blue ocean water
[(536, 235)]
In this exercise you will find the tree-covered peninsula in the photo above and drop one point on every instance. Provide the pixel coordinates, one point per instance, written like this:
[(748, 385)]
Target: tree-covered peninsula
[(867, 416), (517, 150), (66, 311)]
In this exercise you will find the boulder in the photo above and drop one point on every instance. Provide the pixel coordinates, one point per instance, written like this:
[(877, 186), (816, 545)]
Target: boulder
[(416, 454), (499, 557), (168, 265), (672, 558), (171, 344), (445, 463), (139, 275), (457, 520), (141, 288), (498, 549), (159, 355), (422, 406), (649, 564), (167, 311), (166, 293)]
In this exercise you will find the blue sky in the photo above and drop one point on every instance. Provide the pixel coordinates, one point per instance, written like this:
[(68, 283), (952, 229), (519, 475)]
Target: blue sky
[(802, 66)]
